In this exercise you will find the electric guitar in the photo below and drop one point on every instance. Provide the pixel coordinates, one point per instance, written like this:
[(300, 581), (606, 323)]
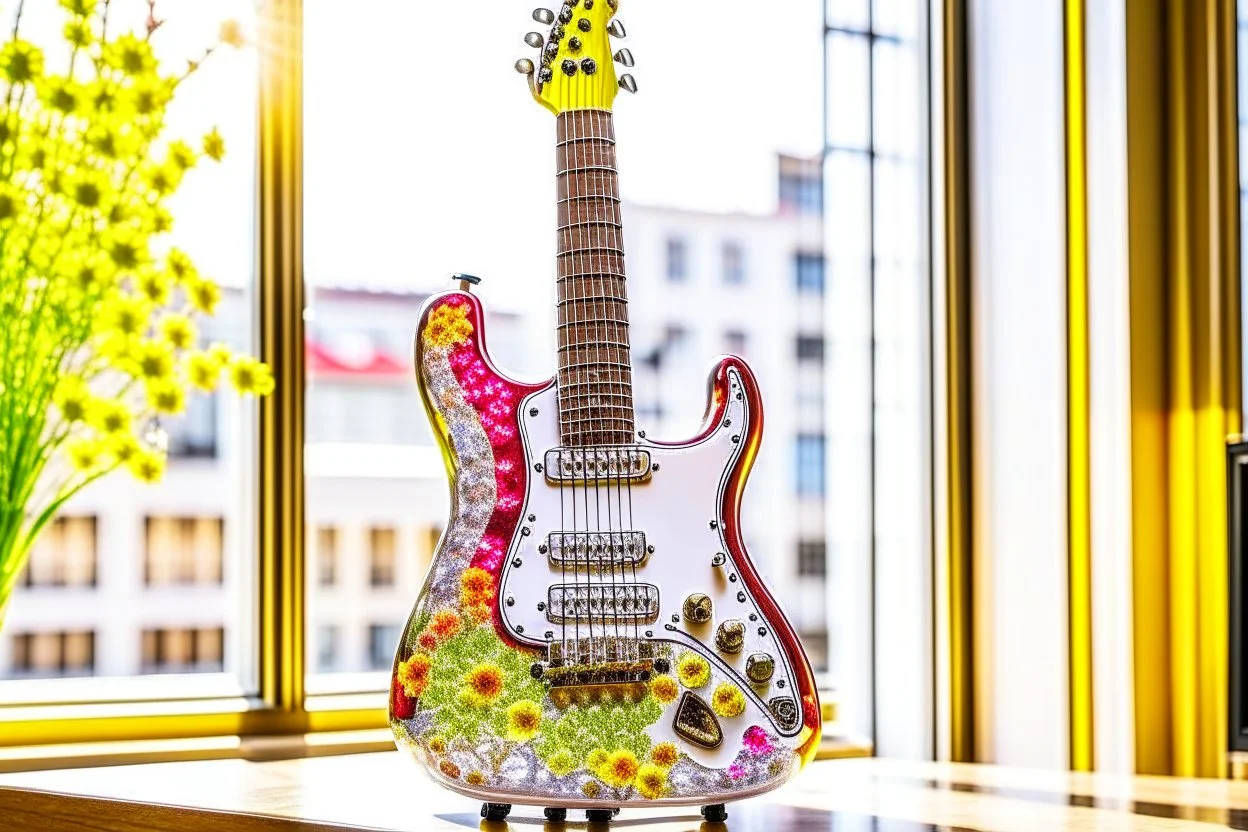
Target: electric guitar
[(592, 632)]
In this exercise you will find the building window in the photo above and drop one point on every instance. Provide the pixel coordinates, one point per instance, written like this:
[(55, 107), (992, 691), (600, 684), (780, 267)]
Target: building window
[(808, 270), (383, 640), (809, 464), (734, 264), (194, 435), (677, 260), (382, 556), (327, 636), (64, 555), (184, 650), (735, 342), (184, 551), (801, 185), (59, 654), (812, 558), (810, 348), (326, 555)]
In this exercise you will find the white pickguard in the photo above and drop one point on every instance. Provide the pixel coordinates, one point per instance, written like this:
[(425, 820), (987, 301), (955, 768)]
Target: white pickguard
[(678, 509)]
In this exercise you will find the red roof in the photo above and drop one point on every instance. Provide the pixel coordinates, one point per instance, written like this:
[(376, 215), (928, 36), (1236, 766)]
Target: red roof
[(321, 361)]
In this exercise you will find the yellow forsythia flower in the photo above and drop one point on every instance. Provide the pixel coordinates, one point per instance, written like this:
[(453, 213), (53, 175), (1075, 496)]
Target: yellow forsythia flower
[(251, 377), (154, 360), (147, 466), (203, 294), (204, 371), (84, 454), (73, 399), (166, 396), (214, 145), (232, 34), (110, 417), (123, 446), (178, 331)]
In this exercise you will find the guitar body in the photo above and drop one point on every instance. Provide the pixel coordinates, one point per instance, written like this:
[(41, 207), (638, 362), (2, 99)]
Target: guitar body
[(592, 631)]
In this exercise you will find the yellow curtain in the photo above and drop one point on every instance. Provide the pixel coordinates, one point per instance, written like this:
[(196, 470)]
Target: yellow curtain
[(1183, 217)]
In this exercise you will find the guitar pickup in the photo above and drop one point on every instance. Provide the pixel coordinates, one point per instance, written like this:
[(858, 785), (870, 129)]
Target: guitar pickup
[(579, 465), (575, 603), (601, 549)]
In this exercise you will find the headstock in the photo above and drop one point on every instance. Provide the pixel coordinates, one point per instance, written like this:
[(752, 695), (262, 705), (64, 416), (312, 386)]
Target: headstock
[(575, 69)]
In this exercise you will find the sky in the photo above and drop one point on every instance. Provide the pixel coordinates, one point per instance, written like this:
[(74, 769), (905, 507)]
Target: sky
[(425, 154)]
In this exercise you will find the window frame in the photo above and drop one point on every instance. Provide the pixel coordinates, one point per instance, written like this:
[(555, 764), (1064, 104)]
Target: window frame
[(280, 705)]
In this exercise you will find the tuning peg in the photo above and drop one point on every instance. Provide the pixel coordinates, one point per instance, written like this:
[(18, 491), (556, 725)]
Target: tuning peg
[(628, 83), (624, 57), (535, 40), (544, 16), (525, 67), (617, 30)]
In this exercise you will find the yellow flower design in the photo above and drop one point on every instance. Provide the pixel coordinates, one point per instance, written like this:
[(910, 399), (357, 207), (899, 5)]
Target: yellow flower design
[(591, 789), (664, 689), (448, 326), (562, 762), (597, 759), (484, 683), (651, 781), (475, 778), (437, 745), (664, 754), (413, 675), (620, 769), (693, 670), (523, 720), (476, 586), (728, 700)]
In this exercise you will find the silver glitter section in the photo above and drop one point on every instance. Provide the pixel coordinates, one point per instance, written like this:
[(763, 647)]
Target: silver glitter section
[(475, 486)]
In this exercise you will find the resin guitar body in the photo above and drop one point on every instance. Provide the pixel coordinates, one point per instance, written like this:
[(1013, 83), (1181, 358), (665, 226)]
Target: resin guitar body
[(592, 631)]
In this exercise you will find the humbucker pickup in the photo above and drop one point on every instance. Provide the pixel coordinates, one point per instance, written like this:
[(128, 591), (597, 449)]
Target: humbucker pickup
[(621, 462), (597, 548), (602, 602)]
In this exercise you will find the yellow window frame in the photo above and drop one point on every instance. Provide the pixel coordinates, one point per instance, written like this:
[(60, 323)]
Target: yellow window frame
[(281, 706)]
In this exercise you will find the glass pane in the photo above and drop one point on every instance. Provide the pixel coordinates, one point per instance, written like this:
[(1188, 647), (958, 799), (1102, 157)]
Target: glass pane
[(134, 579), (898, 18), (849, 14), (849, 91), (898, 109)]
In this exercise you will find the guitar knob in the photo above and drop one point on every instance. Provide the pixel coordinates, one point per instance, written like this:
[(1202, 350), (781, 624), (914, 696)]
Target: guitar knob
[(730, 636), (698, 608), (784, 709), (760, 667)]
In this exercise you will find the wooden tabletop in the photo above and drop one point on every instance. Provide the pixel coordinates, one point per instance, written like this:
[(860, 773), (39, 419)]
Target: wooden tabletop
[(387, 792)]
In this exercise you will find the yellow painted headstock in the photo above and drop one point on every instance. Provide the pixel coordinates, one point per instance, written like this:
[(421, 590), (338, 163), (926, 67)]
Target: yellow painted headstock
[(575, 69)]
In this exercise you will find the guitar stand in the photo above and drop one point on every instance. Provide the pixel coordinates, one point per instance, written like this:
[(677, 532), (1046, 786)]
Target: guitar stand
[(712, 813)]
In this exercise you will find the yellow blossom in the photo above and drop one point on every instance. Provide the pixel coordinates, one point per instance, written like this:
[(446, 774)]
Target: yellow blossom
[(413, 674), (130, 54), (180, 266), (84, 454), (484, 682), (597, 759), (214, 145), (124, 314), (123, 446), (232, 34), (728, 700), (78, 33), (204, 371), (693, 670), (251, 377), (523, 720), (12, 201), (72, 398), (665, 754), (181, 155), (21, 61), (562, 762), (663, 688), (154, 285), (153, 360), (78, 8), (223, 354), (110, 417), (147, 466), (620, 768), (166, 396), (203, 294), (651, 781), (178, 331)]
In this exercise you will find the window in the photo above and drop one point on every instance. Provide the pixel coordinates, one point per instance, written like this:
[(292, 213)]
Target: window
[(809, 465), (65, 555), (677, 260), (383, 640), (801, 185), (733, 263), (184, 551), (53, 654), (327, 637), (381, 557), (194, 436), (735, 342), (326, 555), (812, 558), (808, 270), (810, 348), (183, 650)]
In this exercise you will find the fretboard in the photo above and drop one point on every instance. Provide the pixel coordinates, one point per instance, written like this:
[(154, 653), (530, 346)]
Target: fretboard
[(595, 377)]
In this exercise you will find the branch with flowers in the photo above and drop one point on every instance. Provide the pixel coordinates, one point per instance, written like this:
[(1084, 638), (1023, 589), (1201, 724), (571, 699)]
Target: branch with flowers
[(100, 336)]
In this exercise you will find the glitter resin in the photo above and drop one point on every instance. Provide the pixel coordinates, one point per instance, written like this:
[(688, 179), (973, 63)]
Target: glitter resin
[(465, 702)]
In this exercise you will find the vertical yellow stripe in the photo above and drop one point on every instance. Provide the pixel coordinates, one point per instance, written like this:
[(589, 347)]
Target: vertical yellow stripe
[(1079, 419), (958, 377)]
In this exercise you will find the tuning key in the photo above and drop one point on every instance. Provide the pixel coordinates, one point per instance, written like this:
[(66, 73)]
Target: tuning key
[(544, 16), (525, 67), (617, 30), (535, 40), (628, 83), (624, 57)]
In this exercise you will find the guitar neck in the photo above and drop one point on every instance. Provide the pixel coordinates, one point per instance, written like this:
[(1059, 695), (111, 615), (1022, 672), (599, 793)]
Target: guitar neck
[(595, 376)]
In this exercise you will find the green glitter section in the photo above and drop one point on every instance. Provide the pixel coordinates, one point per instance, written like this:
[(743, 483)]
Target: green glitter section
[(455, 719), (611, 727)]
